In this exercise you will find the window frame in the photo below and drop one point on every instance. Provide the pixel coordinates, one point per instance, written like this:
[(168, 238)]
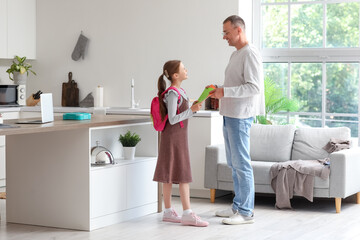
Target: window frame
[(303, 55)]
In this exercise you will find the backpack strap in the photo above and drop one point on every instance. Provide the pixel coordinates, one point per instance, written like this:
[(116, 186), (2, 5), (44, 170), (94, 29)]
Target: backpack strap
[(178, 102), (183, 90), (176, 90)]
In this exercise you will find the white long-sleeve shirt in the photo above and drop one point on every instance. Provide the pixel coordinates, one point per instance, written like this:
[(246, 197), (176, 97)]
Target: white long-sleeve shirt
[(171, 102), (243, 85)]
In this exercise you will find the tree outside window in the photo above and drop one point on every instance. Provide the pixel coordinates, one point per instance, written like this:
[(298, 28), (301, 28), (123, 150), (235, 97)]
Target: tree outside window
[(311, 50)]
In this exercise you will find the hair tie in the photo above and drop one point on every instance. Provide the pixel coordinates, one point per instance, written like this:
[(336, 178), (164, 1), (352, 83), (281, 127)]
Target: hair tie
[(166, 73)]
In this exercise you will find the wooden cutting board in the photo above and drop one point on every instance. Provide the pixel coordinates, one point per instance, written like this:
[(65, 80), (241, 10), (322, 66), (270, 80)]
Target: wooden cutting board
[(70, 93)]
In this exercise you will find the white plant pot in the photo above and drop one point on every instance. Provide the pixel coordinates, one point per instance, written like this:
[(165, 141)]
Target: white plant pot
[(19, 79), (129, 153)]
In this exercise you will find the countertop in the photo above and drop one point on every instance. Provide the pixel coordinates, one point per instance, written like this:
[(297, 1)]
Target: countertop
[(61, 125), (109, 110)]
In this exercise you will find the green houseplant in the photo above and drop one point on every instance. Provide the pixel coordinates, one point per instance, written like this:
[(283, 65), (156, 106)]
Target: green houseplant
[(275, 101), (129, 141), (19, 68)]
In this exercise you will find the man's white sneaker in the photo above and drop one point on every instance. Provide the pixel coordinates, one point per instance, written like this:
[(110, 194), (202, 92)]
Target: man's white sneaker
[(237, 218), (228, 212)]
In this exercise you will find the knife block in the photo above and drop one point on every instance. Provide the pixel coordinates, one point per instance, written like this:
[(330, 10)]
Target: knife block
[(30, 101)]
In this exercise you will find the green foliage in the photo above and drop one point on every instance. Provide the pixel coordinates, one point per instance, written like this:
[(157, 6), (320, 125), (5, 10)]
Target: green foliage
[(19, 66), (275, 30), (333, 84), (306, 31), (305, 28), (129, 139), (275, 101), (342, 24), (342, 87), (306, 85)]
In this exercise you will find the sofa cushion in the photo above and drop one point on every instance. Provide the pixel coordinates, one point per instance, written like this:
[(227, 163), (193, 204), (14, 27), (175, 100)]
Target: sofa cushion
[(261, 174), (309, 142), (261, 171), (271, 143)]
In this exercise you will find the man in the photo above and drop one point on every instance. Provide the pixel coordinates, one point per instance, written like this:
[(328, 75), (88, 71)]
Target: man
[(241, 99)]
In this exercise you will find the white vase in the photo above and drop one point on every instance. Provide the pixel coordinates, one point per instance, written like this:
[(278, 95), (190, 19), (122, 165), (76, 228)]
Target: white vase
[(129, 153), (19, 79)]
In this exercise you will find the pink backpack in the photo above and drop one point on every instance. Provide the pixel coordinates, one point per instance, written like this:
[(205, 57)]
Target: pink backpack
[(155, 114)]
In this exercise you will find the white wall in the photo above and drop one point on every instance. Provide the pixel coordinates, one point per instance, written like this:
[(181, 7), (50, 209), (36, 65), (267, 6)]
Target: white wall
[(129, 38), (246, 12)]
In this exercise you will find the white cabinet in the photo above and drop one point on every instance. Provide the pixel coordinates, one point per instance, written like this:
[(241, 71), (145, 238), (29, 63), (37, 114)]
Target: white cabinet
[(2, 161), (141, 189), (18, 28), (124, 190), (127, 184), (108, 188)]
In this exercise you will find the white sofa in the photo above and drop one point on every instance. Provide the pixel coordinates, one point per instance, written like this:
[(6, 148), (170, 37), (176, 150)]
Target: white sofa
[(277, 143)]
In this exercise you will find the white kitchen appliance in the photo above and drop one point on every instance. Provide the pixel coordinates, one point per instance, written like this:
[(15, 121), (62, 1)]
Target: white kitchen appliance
[(12, 95)]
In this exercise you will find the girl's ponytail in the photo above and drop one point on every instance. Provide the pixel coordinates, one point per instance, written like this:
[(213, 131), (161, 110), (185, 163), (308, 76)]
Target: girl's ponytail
[(161, 89)]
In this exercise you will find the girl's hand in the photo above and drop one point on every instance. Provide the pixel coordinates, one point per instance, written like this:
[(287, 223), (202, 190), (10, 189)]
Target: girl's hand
[(196, 106), (195, 102)]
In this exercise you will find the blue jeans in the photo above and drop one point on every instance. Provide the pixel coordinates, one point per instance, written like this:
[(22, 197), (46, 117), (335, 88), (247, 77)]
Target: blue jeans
[(237, 145)]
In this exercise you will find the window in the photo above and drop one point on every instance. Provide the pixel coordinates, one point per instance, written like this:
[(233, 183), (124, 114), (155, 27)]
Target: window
[(311, 49)]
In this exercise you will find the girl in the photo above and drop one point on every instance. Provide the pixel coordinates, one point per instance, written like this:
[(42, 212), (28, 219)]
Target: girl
[(173, 164)]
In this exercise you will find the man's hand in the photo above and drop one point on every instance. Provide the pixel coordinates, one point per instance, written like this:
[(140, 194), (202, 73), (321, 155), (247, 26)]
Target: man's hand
[(217, 93)]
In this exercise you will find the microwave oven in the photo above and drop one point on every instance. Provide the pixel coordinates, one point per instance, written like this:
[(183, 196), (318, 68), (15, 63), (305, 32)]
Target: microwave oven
[(12, 95)]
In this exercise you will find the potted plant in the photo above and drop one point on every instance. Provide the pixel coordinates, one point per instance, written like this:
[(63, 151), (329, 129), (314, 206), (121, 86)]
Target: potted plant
[(275, 101), (129, 141), (18, 70)]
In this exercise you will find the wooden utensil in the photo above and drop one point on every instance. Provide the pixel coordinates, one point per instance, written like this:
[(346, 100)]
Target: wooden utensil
[(70, 93)]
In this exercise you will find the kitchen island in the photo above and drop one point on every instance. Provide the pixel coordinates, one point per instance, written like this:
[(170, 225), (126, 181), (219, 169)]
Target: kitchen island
[(50, 180), (205, 128)]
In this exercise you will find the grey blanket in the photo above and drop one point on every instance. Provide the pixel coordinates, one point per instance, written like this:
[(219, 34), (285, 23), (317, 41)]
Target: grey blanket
[(296, 177)]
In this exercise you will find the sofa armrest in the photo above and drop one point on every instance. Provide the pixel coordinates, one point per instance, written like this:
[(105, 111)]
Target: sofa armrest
[(214, 154), (345, 172)]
